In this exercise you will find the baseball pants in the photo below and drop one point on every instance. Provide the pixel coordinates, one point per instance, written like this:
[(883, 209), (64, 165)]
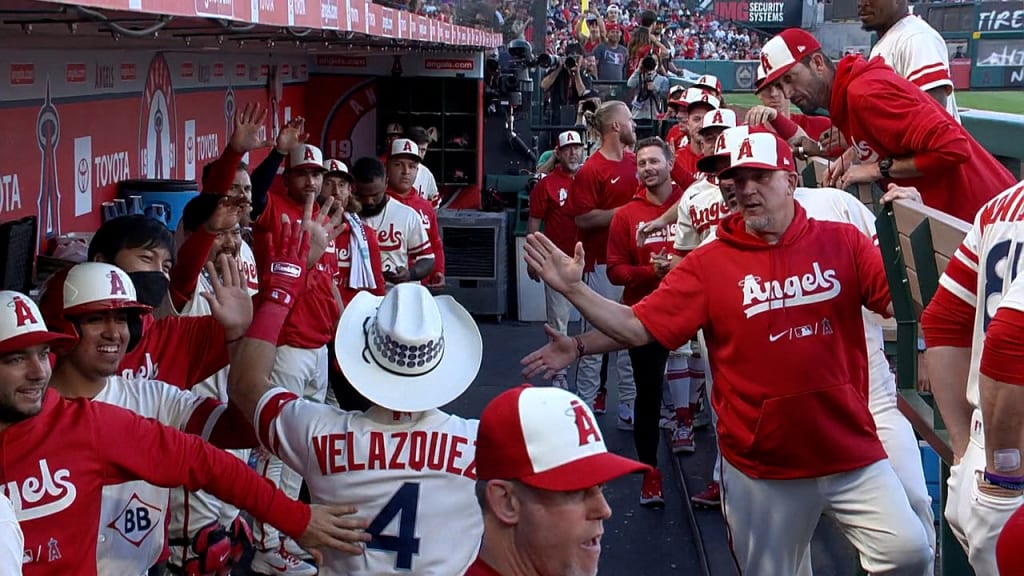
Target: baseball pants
[(685, 377), (976, 519), (716, 474), (304, 372), (588, 370), (649, 373), (557, 308), (771, 522)]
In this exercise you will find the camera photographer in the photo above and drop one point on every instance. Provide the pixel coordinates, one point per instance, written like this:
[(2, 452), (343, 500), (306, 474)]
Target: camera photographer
[(651, 89), (585, 110), (564, 82)]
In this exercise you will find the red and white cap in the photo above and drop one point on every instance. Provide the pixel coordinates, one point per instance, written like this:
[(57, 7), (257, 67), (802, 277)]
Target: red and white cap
[(763, 150), (394, 129), (718, 160), (569, 138), (784, 51), (710, 82), (694, 96), (334, 166), (403, 147), (305, 156), (546, 438), (719, 118), (22, 326)]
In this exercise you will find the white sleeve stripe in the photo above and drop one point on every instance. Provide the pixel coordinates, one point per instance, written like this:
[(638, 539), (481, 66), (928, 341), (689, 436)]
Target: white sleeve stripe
[(971, 265), (211, 420), (959, 291), (927, 69)]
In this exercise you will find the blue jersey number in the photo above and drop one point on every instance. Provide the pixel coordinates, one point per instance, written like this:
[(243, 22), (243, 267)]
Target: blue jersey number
[(406, 544), (1000, 270)]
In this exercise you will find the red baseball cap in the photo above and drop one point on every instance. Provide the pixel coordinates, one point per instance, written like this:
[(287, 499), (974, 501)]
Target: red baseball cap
[(763, 150), (784, 51), (546, 438)]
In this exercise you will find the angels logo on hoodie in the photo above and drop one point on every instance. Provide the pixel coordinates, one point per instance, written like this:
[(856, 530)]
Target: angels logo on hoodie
[(796, 290)]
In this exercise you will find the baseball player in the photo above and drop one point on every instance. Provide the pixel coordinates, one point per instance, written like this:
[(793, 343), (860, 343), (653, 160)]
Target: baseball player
[(911, 47), (605, 182), (425, 183), (639, 268), (775, 113), (409, 465), (392, 132), (542, 465), (698, 103), (899, 133), (406, 250), (12, 541), (795, 316), (60, 453), (359, 258), (403, 165), (301, 360), (547, 206), (977, 279)]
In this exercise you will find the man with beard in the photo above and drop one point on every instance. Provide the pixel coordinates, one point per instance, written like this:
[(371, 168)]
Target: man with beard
[(900, 134), (605, 182), (640, 268), (406, 252), (359, 262), (403, 165), (547, 206)]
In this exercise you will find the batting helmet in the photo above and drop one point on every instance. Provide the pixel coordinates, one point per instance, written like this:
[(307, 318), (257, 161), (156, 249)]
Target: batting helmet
[(21, 324), (87, 288)]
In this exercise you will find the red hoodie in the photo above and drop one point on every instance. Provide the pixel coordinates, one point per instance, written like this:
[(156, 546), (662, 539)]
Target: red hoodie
[(630, 265), (785, 335), (885, 116)]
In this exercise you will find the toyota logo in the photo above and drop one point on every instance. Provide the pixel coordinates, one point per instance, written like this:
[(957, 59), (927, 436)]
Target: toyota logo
[(83, 175)]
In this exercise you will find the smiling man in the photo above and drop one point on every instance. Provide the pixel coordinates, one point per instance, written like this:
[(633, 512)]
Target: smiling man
[(898, 133)]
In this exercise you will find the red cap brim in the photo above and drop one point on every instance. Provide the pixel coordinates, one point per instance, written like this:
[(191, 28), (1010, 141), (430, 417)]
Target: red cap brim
[(584, 473), (30, 339)]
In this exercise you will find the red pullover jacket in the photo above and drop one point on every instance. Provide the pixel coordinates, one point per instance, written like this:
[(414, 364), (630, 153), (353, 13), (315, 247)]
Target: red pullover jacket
[(885, 116), (630, 265), (786, 341)]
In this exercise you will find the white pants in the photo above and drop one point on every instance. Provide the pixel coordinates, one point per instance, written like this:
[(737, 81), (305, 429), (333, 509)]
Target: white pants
[(899, 441), (558, 309), (588, 371), (771, 522), (976, 519), (304, 372)]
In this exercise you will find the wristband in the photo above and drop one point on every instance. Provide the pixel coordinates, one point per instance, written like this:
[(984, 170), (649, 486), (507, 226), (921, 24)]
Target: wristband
[(1015, 483), (267, 322), (580, 348)]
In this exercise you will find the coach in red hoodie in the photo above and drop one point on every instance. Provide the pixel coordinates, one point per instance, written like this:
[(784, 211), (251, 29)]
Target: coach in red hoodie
[(779, 298), (639, 269), (897, 132)]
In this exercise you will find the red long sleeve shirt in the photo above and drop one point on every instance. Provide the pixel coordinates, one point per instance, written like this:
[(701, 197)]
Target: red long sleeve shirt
[(55, 464), (425, 209), (630, 265)]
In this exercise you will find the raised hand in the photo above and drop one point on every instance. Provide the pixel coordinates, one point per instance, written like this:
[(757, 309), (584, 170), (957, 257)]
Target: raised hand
[(322, 229), (229, 301), (557, 354), (248, 122), (284, 280), (555, 267), (292, 135), (227, 214), (333, 527)]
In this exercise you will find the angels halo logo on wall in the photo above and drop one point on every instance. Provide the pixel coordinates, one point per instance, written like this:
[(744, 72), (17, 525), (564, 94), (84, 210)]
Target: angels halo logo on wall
[(158, 123), (351, 127)]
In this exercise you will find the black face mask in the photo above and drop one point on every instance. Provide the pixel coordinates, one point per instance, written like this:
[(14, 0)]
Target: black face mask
[(369, 211), (150, 287)]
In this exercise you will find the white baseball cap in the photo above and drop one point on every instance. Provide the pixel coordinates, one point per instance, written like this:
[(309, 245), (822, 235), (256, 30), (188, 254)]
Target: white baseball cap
[(403, 147), (305, 156), (710, 82), (718, 160), (569, 138), (546, 438), (694, 96), (762, 150), (22, 326), (784, 51), (719, 118), (333, 166), (408, 351)]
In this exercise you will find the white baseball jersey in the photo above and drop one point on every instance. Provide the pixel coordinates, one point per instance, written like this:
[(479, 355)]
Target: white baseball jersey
[(985, 265), (918, 53), (12, 541), (426, 185), (699, 212), (401, 235), (412, 475), (133, 514), (247, 262)]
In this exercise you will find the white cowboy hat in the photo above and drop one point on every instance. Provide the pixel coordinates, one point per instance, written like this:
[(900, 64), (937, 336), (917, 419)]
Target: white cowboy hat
[(408, 351)]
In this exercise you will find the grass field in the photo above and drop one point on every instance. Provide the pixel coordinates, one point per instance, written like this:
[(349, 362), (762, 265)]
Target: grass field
[(1010, 102)]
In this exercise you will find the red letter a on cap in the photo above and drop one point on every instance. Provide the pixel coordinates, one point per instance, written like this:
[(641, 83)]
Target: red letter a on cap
[(116, 286), (745, 150), (584, 424), (23, 313), (308, 154)]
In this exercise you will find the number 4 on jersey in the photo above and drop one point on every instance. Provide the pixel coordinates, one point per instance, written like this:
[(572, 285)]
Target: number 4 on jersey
[(406, 544)]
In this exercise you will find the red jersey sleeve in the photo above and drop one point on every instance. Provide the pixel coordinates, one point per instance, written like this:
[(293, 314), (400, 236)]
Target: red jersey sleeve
[(223, 425), (435, 239), (874, 287), (221, 174), (660, 312), (192, 257), (681, 176), (375, 260), (813, 125), (1002, 357), (186, 460), (948, 320), (196, 343), (623, 269)]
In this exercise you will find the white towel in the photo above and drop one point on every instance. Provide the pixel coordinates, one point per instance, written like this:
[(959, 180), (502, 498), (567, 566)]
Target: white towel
[(360, 274)]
